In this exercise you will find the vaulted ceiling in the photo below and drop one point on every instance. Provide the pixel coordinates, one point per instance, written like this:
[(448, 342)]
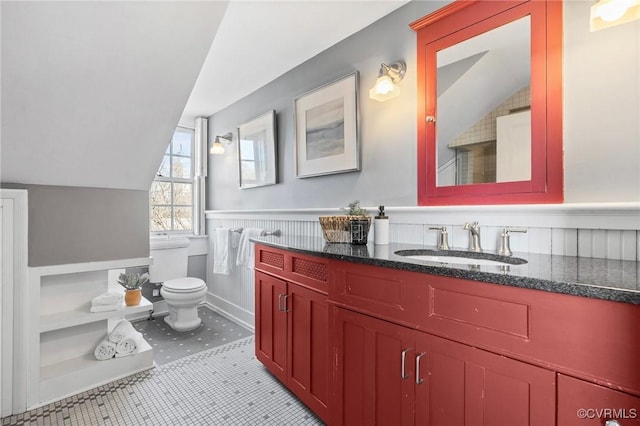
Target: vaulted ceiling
[(92, 91)]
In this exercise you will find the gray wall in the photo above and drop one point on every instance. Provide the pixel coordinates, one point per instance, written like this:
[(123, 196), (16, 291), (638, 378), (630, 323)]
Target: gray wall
[(387, 130), (74, 224), (602, 156)]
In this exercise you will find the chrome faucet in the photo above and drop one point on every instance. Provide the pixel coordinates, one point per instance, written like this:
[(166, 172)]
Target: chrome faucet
[(474, 236), (443, 241)]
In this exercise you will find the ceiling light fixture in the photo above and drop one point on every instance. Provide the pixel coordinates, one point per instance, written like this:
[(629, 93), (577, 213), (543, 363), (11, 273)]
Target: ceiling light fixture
[(386, 85), (608, 13), (217, 148)]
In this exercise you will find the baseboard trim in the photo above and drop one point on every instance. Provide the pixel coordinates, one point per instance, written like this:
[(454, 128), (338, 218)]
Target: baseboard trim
[(231, 311)]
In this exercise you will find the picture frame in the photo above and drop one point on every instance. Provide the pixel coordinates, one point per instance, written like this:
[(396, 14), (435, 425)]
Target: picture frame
[(327, 136), (257, 152)]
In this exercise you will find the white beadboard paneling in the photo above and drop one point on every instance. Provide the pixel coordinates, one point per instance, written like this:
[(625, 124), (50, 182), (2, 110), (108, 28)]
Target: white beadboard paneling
[(408, 233), (564, 242), (587, 236), (539, 240), (489, 237), (585, 243)]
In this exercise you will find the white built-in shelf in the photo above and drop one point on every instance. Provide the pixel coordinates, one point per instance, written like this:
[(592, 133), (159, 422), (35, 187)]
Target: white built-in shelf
[(85, 372), (73, 318)]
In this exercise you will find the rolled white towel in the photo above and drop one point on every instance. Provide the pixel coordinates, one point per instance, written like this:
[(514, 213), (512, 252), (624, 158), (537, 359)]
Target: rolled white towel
[(107, 299), (106, 308), (129, 345), (121, 331), (105, 350)]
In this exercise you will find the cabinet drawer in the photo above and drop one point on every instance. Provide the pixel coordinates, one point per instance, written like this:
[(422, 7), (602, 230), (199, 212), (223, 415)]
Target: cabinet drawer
[(582, 403), (308, 271), (388, 294)]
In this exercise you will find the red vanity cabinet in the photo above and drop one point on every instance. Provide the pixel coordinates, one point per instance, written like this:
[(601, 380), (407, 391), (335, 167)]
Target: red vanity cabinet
[(391, 374), (493, 354), (292, 324), (271, 324), (369, 345)]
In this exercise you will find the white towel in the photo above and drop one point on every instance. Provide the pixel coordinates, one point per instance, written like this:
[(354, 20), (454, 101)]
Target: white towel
[(221, 240), (245, 248), (105, 350), (121, 331), (107, 299), (106, 308), (129, 345)]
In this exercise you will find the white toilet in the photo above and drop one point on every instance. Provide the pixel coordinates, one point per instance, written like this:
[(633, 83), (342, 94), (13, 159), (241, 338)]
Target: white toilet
[(182, 293)]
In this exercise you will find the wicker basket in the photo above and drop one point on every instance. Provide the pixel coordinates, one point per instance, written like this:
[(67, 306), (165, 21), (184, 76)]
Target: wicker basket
[(336, 228)]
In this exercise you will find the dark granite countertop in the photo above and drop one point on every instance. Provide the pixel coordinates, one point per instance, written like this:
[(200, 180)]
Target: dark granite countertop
[(617, 280)]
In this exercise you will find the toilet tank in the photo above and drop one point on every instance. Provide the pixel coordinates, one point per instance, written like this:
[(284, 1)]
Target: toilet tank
[(170, 258)]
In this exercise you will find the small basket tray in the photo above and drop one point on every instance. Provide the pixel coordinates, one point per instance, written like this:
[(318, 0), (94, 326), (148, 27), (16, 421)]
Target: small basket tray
[(335, 229)]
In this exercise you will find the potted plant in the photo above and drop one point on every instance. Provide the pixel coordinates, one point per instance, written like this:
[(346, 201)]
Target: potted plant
[(132, 282)]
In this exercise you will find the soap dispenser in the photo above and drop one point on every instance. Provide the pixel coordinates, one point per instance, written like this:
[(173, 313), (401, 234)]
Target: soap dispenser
[(381, 227)]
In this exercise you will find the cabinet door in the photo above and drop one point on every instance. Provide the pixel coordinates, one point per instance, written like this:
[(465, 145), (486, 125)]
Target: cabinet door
[(582, 403), (372, 388), (308, 362), (271, 324), (460, 385)]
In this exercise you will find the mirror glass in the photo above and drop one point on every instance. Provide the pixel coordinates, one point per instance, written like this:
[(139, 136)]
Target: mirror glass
[(257, 151), (483, 126)]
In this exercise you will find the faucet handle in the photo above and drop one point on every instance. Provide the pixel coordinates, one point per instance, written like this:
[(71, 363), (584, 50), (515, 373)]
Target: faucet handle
[(443, 240), (508, 230), (505, 247)]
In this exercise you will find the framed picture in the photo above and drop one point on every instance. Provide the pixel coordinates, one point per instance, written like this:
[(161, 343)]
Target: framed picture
[(327, 129), (257, 151)]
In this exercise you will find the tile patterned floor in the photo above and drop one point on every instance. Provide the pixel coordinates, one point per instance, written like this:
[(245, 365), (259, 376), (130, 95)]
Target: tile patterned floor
[(169, 345), (224, 385)]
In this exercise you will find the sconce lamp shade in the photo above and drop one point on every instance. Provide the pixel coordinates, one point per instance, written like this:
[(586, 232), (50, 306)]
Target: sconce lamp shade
[(217, 148), (385, 86), (384, 89), (608, 13)]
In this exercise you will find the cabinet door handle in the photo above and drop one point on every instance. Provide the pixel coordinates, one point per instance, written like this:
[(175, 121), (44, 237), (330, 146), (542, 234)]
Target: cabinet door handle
[(285, 298), (419, 380), (403, 374), (612, 423), (280, 302)]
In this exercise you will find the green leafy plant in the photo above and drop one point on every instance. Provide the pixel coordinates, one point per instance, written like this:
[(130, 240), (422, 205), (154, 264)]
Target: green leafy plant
[(133, 281), (355, 209)]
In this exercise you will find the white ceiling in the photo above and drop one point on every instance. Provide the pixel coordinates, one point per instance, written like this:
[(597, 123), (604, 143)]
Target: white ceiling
[(92, 90), (259, 41)]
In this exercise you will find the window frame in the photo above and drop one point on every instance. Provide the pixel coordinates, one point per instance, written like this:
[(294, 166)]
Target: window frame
[(179, 180)]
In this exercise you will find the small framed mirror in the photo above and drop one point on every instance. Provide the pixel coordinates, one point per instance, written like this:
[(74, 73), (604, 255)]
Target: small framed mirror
[(257, 151)]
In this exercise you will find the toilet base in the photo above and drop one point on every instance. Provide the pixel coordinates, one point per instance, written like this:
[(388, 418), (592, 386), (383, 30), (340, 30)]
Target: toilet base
[(183, 319)]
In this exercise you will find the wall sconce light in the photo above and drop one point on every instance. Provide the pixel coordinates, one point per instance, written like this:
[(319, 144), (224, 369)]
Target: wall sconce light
[(386, 87), (217, 148), (608, 13)]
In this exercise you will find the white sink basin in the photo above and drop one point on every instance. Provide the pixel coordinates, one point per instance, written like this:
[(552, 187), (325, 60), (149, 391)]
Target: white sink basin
[(457, 260), (460, 257)]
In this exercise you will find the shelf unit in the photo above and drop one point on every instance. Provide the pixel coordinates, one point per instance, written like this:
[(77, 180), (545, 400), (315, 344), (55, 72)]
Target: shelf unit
[(63, 333), (75, 317)]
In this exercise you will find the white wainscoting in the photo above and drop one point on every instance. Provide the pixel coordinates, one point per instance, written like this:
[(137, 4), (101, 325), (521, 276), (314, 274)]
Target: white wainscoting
[(608, 231)]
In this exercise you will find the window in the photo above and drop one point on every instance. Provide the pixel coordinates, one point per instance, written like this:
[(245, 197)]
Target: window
[(172, 191)]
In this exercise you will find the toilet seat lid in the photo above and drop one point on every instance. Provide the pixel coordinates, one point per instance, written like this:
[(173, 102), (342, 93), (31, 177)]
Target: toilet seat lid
[(184, 284)]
